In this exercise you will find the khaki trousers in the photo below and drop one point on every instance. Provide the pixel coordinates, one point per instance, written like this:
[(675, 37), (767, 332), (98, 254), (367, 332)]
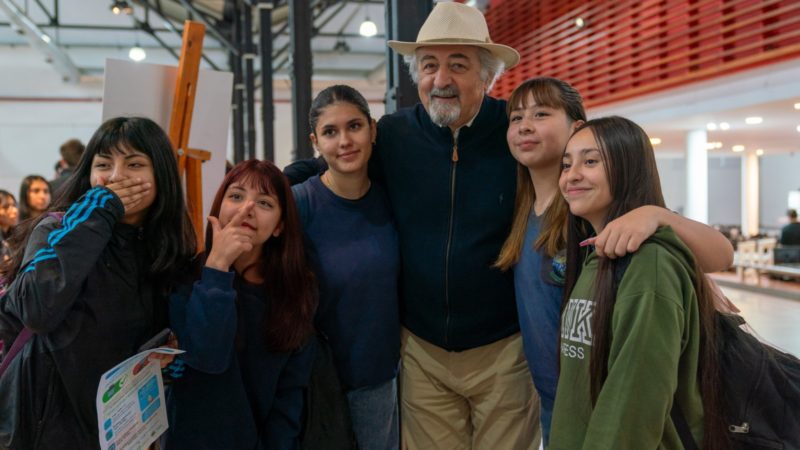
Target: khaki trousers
[(478, 399)]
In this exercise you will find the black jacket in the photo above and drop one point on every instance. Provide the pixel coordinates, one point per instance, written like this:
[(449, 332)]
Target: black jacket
[(452, 218), (84, 290)]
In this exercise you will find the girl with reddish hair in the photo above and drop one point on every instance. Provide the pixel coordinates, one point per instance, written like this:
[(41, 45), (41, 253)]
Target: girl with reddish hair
[(246, 321)]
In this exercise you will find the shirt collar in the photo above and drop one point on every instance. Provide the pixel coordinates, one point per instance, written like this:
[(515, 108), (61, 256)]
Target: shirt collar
[(468, 124)]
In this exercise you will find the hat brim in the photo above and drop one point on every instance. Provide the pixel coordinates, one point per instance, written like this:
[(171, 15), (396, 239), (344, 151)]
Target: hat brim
[(508, 55)]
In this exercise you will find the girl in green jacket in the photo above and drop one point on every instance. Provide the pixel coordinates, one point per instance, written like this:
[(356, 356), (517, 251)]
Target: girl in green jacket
[(638, 350)]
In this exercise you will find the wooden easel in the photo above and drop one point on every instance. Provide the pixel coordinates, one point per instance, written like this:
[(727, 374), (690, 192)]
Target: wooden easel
[(189, 160)]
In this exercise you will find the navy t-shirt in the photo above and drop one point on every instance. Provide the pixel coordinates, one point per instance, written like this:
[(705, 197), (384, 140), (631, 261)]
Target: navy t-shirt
[(539, 285), (354, 247)]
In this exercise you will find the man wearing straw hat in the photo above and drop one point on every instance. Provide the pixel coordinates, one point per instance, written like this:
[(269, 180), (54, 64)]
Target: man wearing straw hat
[(451, 181)]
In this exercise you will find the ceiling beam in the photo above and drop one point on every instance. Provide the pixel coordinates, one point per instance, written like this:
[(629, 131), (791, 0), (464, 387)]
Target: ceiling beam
[(40, 41), (76, 26)]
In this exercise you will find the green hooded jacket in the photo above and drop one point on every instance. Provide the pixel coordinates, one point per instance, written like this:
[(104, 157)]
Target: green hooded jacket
[(653, 355)]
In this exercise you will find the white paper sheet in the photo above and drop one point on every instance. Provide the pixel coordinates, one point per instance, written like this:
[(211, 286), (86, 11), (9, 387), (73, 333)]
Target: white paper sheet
[(131, 408)]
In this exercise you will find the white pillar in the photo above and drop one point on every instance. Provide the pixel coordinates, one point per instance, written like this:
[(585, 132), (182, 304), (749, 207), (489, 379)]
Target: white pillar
[(697, 176), (750, 193)]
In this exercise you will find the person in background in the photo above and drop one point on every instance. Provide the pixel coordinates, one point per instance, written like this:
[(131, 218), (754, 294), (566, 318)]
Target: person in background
[(543, 112), (245, 321), (90, 278), (790, 234), (353, 241), (71, 152), (9, 218), (34, 197), (637, 342)]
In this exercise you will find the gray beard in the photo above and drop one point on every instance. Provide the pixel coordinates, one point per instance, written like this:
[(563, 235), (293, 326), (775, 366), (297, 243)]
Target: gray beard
[(444, 115)]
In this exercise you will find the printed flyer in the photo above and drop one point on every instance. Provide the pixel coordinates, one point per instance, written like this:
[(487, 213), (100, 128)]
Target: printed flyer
[(131, 409)]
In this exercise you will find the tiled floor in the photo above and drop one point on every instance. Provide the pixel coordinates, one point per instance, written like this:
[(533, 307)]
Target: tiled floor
[(775, 320)]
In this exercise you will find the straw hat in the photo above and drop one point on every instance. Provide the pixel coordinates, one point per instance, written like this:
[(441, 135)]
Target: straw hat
[(456, 24)]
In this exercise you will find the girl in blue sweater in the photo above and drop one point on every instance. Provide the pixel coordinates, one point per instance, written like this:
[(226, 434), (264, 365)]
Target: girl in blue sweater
[(245, 322), (353, 242)]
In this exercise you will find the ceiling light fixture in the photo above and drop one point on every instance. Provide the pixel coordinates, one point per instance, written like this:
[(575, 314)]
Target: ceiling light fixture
[(137, 53), (368, 27), (760, 152), (655, 140), (797, 106), (713, 145), (724, 126), (753, 120), (798, 128), (711, 126), (121, 7), (738, 148)]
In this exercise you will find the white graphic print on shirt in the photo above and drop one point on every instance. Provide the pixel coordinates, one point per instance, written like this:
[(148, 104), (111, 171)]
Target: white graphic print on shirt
[(576, 328)]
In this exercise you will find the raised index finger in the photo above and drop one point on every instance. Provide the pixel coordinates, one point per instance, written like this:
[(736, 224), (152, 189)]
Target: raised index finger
[(238, 218)]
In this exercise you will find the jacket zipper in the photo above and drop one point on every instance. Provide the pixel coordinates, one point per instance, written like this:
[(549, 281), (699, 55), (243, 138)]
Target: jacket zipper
[(454, 160)]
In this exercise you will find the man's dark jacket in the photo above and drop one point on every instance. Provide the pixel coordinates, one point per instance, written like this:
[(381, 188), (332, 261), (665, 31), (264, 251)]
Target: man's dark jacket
[(452, 218)]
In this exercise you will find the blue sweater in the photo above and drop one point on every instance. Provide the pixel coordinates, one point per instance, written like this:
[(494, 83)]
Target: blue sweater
[(539, 282), (235, 393), (452, 218), (353, 246)]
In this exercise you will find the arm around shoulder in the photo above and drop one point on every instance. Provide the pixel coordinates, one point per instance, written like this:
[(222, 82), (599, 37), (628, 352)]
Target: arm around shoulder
[(303, 169), (712, 250), (625, 234)]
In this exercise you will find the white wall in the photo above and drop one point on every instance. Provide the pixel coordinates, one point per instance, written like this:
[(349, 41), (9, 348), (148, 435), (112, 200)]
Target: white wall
[(779, 175), (725, 190), (672, 173), (31, 133)]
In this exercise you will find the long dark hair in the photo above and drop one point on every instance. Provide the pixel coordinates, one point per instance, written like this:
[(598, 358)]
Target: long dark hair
[(25, 211), (168, 234), (290, 284), (633, 180), (556, 94)]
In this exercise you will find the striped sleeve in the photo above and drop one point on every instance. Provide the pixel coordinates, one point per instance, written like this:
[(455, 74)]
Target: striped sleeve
[(59, 257)]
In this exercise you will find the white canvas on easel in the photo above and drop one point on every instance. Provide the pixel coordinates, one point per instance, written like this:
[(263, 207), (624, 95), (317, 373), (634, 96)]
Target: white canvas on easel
[(138, 89)]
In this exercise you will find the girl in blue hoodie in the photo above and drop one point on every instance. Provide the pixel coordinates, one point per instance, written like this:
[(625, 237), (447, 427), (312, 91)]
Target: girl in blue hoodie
[(245, 321)]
